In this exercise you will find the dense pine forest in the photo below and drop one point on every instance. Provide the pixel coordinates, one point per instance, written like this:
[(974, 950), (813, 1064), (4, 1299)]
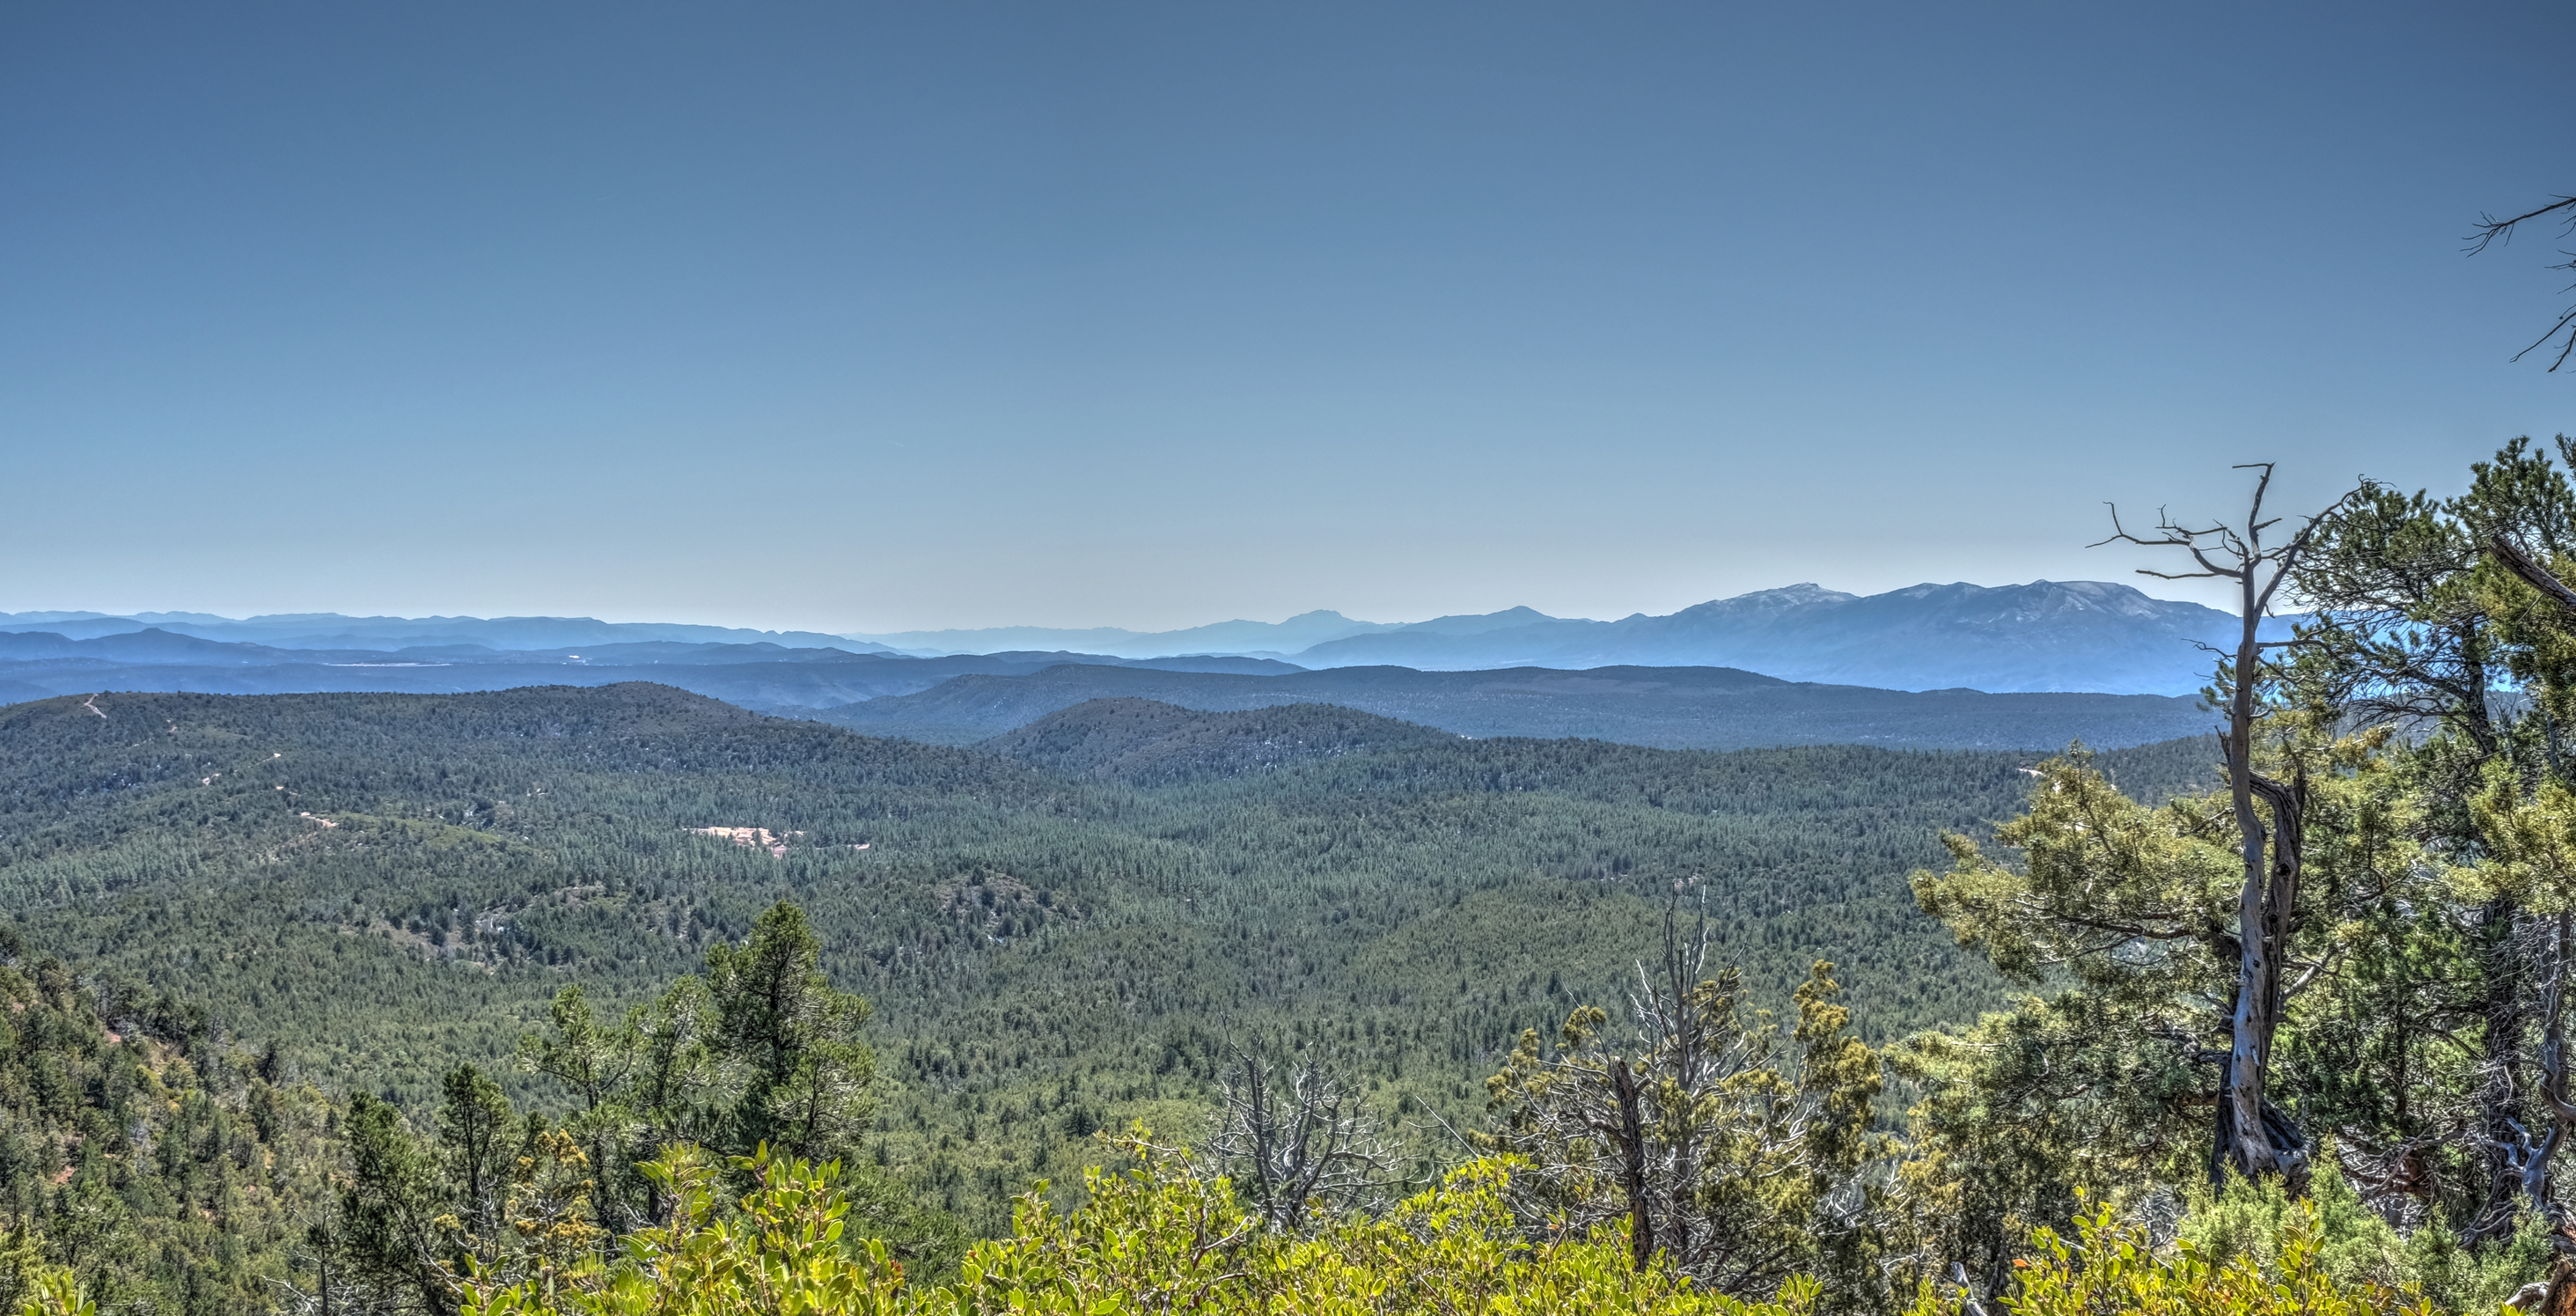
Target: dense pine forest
[(1079, 926), (383, 886), (622, 999)]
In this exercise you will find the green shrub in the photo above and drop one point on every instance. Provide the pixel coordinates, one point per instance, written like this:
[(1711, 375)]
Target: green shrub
[(1160, 1238), (2354, 1247)]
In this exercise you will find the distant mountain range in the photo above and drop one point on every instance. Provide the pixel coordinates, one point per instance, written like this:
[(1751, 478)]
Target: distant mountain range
[(2046, 636), (2043, 636), (1267, 639), (966, 698)]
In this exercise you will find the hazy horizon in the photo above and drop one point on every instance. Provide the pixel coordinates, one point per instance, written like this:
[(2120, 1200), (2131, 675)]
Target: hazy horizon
[(195, 614)]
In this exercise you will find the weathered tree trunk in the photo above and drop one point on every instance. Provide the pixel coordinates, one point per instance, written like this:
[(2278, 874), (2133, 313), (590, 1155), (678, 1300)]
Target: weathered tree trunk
[(2265, 909), (2288, 804), (2556, 1113), (2279, 1130), (2502, 1113), (1632, 1142), (2260, 1140), (2532, 573)]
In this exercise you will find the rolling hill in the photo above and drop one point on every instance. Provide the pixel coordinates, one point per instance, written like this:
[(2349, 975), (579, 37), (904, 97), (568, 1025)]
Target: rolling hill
[(1143, 742), (38, 664), (1663, 707)]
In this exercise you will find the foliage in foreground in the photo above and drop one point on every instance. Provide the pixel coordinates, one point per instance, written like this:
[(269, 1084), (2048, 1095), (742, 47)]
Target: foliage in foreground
[(2110, 1267), (2334, 1233), (763, 1053), (1161, 1238), (1157, 1237)]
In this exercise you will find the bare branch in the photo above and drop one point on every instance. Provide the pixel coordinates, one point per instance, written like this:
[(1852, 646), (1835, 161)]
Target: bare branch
[(1295, 1146), (2490, 228), (2563, 322)]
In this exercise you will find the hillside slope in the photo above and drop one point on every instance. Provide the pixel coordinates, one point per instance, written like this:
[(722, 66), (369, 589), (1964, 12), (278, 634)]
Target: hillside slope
[(1148, 743), (179, 1167), (389, 883)]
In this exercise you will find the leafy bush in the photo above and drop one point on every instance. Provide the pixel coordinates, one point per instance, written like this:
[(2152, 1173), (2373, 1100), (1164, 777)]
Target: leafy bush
[(2110, 1267), (2260, 1223), (1159, 1238), (1154, 1238)]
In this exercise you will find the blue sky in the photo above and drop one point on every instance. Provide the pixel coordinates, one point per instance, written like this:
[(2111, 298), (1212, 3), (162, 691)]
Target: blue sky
[(880, 317)]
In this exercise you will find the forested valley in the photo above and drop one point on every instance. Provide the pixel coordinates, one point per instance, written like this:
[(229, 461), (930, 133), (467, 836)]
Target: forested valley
[(623, 999)]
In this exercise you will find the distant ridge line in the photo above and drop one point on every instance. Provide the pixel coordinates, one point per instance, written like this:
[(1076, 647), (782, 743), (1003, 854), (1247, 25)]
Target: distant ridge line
[(2062, 636), (2040, 636)]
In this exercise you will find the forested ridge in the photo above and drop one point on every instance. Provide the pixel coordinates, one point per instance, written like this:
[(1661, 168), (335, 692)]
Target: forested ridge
[(1667, 707)]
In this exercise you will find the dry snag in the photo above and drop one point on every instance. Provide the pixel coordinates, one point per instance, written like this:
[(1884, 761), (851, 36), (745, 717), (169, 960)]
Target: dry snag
[(1299, 1145), (2251, 1132)]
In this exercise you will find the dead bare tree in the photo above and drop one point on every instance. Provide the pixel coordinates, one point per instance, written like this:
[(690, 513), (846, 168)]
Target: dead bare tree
[(1299, 1146), (2250, 1132), (2491, 228), (1728, 1156)]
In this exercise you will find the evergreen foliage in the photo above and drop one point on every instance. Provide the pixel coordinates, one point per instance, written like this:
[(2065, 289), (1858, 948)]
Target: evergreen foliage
[(1721, 1154), (387, 886), (143, 1145), (762, 1054)]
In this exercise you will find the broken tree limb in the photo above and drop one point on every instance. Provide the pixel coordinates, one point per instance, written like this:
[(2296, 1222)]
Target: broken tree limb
[(2532, 573)]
